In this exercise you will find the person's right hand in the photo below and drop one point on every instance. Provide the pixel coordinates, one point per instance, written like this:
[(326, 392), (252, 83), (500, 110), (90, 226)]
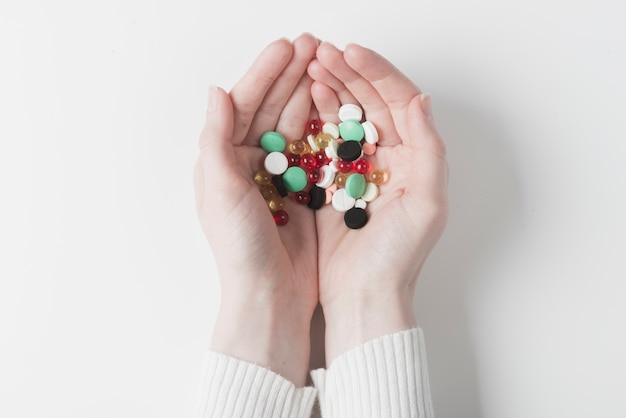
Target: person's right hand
[(367, 277)]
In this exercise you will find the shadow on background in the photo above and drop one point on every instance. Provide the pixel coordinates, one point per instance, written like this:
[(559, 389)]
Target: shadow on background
[(485, 198)]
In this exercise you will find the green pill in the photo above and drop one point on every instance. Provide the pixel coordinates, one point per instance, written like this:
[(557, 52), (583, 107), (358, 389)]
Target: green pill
[(273, 142), (351, 130), (295, 179), (355, 185)]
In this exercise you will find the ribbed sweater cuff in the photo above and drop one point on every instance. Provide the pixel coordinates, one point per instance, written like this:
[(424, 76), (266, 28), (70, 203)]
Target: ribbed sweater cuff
[(235, 388), (385, 377)]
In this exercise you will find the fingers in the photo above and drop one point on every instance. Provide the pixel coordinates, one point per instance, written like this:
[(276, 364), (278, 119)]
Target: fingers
[(376, 109), (281, 90), (319, 73), (248, 94), (326, 102), (296, 111)]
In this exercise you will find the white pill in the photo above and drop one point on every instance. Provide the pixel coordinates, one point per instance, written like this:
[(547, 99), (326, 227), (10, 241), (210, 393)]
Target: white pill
[(371, 192), (327, 177), (371, 134), (276, 163), (350, 112), (311, 140), (334, 165), (331, 129), (360, 203), (331, 149), (341, 201)]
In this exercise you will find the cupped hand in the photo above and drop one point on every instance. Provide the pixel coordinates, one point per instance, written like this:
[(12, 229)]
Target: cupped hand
[(268, 274), (367, 277)]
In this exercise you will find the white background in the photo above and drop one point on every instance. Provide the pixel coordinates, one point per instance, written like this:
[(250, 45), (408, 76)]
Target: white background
[(108, 289)]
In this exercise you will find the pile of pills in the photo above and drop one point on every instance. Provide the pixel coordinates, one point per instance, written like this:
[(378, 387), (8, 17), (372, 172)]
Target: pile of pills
[(328, 167)]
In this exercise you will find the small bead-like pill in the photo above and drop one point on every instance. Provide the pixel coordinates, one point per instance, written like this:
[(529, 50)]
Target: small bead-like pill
[(327, 177), (308, 161), (302, 197), (371, 192), (344, 166), (276, 203), (293, 159), (276, 162), (313, 175), (349, 150), (355, 218), (295, 179), (331, 129), (340, 179), (350, 112), (262, 178), (351, 130), (273, 142), (341, 201), (269, 191), (360, 203), (378, 177), (369, 149), (280, 217), (361, 166), (369, 132), (322, 140), (313, 127), (355, 185), (318, 197), (297, 147)]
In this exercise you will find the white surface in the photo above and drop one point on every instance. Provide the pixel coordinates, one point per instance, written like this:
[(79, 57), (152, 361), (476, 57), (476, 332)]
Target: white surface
[(107, 290)]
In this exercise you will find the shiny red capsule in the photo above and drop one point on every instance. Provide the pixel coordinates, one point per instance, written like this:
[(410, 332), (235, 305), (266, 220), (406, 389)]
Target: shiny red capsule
[(313, 175), (293, 160), (313, 127), (308, 162), (361, 166), (344, 166), (302, 197), (321, 158), (281, 217)]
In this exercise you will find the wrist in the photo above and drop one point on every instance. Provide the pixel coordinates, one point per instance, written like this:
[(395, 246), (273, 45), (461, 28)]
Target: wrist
[(353, 321), (270, 336)]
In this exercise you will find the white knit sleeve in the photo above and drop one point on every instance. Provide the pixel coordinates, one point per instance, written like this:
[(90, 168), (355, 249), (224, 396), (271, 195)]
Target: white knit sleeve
[(385, 377), (236, 388)]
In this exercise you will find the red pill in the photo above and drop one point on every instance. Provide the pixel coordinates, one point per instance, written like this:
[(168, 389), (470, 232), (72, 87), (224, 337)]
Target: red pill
[(302, 197), (313, 175), (344, 166), (281, 217), (293, 160), (307, 161), (313, 127), (361, 166), (321, 158)]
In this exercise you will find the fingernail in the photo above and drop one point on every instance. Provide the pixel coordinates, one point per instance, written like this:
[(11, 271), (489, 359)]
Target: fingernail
[(425, 103), (212, 99)]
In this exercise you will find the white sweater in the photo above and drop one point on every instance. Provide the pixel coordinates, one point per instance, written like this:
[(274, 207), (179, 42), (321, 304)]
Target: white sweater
[(386, 377)]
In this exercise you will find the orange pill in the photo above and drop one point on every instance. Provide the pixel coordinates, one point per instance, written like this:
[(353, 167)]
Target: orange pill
[(369, 149), (262, 178), (378, 177)]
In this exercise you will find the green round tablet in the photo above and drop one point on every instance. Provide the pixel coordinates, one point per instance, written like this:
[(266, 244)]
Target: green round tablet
[(295, 179), (351, 130), (273, 142), (355, 185)]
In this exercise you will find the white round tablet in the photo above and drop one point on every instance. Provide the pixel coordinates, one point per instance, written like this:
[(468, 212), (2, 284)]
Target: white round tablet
[(331, 149), (350, 112), (371, 134), (311, 140), (328, 177), (341, 201), (360, 203), (331, 129), (371, 192), (276, 163)]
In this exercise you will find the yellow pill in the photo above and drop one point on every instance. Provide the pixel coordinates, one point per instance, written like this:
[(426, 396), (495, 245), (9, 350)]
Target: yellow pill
[(297, 147), (378, 177), (262, 178), (269, 191), (322, 140), (276, 203), (340, 179)]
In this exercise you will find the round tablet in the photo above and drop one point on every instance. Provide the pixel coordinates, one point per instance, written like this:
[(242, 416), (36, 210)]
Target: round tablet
[(331, 129), (328, 177), (295, 179), (276, 162), (318, 197), (331, 149), (349, 151), (280, 186), (369, 149), (360, 203), (371, 192), (273, 142), (355, 185), (311, 141), (355, 218), (351, 130), (341, 201), (350, 112), (370, 132)]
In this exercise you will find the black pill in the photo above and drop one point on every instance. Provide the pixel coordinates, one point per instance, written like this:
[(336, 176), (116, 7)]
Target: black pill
[(318, 197), (280, 186), (355, 218), (349, 150)]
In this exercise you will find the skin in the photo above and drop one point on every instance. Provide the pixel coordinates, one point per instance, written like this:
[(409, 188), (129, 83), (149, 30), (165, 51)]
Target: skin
[(272, 278)]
